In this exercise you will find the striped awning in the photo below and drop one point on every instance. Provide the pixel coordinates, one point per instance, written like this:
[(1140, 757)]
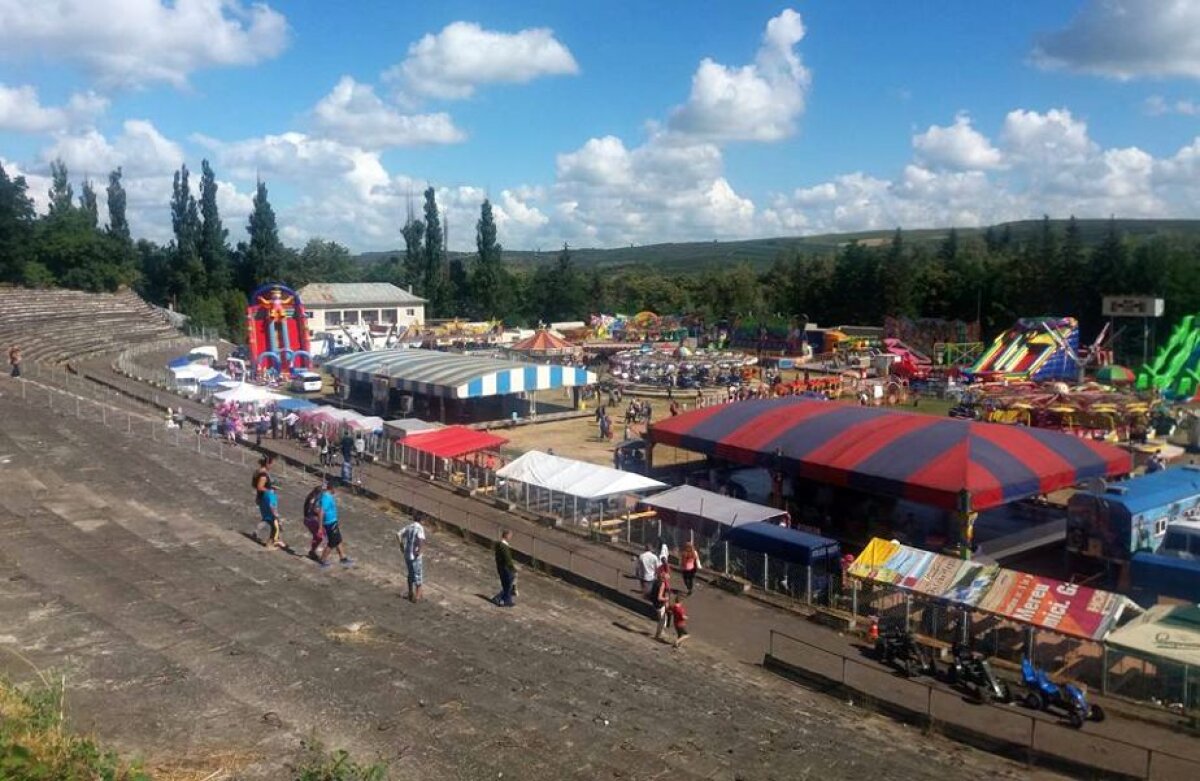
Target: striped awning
[(433, 373), (943, 462)]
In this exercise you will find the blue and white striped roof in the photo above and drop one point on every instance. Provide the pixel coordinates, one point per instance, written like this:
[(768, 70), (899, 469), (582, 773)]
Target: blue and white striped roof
[(433, 373)]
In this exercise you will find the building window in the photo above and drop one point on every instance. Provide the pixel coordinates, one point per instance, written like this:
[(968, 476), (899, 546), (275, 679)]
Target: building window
[(410, 312), (350, 316), (370, 315), (389, 316), (333, 318)]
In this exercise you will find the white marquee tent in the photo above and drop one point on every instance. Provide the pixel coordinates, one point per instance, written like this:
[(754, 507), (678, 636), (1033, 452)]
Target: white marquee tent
[(574, 478)]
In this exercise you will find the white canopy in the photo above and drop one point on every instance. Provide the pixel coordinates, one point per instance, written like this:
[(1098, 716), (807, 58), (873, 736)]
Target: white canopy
[(194, 371), (247, 394), (687, 501), (574, 478)]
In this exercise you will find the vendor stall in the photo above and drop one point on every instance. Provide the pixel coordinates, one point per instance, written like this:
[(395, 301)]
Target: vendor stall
[(582, 492)]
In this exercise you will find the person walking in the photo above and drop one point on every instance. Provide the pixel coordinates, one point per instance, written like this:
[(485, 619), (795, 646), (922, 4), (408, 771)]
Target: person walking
[(312, 521), (323, 449), (268, 508), (14, 360), (646, 569), (360, 449), (661, 599), (333, 532), (679, 620), (262, 481), (689, 565), (506, 568), (412, 541), (347, 445)]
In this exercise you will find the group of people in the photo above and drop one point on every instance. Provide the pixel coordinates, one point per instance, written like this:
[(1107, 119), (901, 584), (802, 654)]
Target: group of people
[(320, 517), (321, 520), (653, 571)]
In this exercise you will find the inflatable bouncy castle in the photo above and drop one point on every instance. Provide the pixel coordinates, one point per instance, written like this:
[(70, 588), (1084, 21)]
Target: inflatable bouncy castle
[(277, 330)]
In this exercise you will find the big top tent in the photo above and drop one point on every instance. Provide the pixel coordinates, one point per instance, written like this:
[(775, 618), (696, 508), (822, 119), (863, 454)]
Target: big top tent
[(942, 462)]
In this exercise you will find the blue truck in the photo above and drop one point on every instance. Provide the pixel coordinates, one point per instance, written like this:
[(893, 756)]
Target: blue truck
[(1147, 529)]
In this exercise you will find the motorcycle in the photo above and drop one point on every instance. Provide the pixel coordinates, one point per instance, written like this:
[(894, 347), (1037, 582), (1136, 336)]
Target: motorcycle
[(1044, 694), (900, 649), (973, 671)]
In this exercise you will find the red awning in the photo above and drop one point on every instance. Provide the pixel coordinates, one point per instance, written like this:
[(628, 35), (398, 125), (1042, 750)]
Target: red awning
[(453, 441)]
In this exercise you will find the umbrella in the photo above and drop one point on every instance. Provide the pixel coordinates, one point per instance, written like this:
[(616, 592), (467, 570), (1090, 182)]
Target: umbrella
[(1115, 375)]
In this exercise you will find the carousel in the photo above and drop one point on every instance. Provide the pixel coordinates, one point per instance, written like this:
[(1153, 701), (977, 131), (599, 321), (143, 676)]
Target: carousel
[(546, 346)]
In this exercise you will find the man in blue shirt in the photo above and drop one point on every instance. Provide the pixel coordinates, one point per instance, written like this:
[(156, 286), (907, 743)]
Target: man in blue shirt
[(327, 510)]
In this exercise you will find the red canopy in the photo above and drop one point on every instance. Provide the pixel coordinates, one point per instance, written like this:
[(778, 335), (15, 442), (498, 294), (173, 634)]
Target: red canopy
[(947, 463), (544, 342), (453, 441)]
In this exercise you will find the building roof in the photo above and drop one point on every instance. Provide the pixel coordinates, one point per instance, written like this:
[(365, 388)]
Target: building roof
[(453, 441), (433, 373), (323, 294), (544, 343), (943, 462)]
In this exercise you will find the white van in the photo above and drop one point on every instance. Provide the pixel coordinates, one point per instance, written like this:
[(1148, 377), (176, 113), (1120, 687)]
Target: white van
[(306, 382)]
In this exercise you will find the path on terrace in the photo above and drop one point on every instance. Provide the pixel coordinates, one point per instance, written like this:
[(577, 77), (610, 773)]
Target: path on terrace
[(126, 568)]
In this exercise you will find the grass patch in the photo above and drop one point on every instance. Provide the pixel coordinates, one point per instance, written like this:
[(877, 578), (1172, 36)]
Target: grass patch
[(35, 745), (320, 764)]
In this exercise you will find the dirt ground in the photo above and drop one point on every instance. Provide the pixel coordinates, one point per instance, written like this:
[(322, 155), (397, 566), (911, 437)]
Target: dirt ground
[(127, 570)]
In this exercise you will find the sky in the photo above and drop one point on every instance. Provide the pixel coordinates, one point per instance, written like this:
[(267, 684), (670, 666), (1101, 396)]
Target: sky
[(616, 123)]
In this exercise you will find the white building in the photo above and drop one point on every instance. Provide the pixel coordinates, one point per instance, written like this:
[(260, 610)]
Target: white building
[(378, 304)]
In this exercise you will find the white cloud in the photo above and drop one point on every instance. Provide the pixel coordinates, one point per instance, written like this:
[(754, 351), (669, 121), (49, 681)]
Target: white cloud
[(758, 102), (1157, 106), (23, 112), (138, 42), (353, 113), (1053, 138), (679, 191), (1127, 39), (957, 147), (140, 149), (463, 56)]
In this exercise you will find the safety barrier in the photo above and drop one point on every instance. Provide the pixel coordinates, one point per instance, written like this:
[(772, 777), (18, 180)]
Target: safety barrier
[(1025, 735)]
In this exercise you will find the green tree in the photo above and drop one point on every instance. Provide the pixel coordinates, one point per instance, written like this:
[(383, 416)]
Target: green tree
[(17, 218), (263, 255), (212, 245), (319, 261), (413, 268), (62, 195), (89, 205), (434, 272), (490, 284), (187, 283), (896, 279), (118, 224)]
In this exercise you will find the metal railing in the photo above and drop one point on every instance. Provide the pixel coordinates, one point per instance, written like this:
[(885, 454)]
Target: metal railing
[(992, 725)]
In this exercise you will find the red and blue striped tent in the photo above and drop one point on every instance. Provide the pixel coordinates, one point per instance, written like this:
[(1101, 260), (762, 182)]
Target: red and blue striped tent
[(943, 462)]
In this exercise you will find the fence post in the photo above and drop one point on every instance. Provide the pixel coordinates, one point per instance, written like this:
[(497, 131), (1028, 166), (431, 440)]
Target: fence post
[(765, 565)]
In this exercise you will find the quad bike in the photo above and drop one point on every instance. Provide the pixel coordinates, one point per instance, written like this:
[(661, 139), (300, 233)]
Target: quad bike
[(900, 649), (1044, 694), (972, 671)]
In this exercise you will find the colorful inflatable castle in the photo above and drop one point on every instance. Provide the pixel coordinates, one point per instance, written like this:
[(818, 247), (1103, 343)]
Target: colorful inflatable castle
[(1040, 349), (1175, 372), (277, 330)]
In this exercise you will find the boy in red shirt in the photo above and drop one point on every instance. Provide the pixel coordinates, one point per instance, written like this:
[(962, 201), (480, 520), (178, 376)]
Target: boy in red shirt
[(679, 619)]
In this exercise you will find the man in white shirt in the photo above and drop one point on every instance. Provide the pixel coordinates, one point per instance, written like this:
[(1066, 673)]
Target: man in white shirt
[(647, 569), (412, 540)]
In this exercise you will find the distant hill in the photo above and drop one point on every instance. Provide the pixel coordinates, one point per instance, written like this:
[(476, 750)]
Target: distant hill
[(760, 253)]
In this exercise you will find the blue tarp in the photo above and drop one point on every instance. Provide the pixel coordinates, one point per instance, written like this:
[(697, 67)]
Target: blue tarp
[(784, 543), (295, 405), (214, 381), (182, 360)]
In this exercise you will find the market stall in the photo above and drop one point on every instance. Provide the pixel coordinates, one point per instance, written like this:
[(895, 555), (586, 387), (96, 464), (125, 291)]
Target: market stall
[(582, 492), (1156, 656)]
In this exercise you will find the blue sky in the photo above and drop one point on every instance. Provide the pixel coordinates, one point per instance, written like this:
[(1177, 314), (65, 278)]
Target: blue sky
[(615, 123)]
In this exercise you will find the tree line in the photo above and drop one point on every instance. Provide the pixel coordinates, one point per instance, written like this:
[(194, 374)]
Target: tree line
[(992, 278)]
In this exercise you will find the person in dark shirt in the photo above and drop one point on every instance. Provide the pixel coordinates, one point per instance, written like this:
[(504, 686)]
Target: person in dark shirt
[(506, 569)]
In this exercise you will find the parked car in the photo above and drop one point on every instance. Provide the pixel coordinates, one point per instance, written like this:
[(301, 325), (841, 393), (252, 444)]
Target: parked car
[(307, 382)]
